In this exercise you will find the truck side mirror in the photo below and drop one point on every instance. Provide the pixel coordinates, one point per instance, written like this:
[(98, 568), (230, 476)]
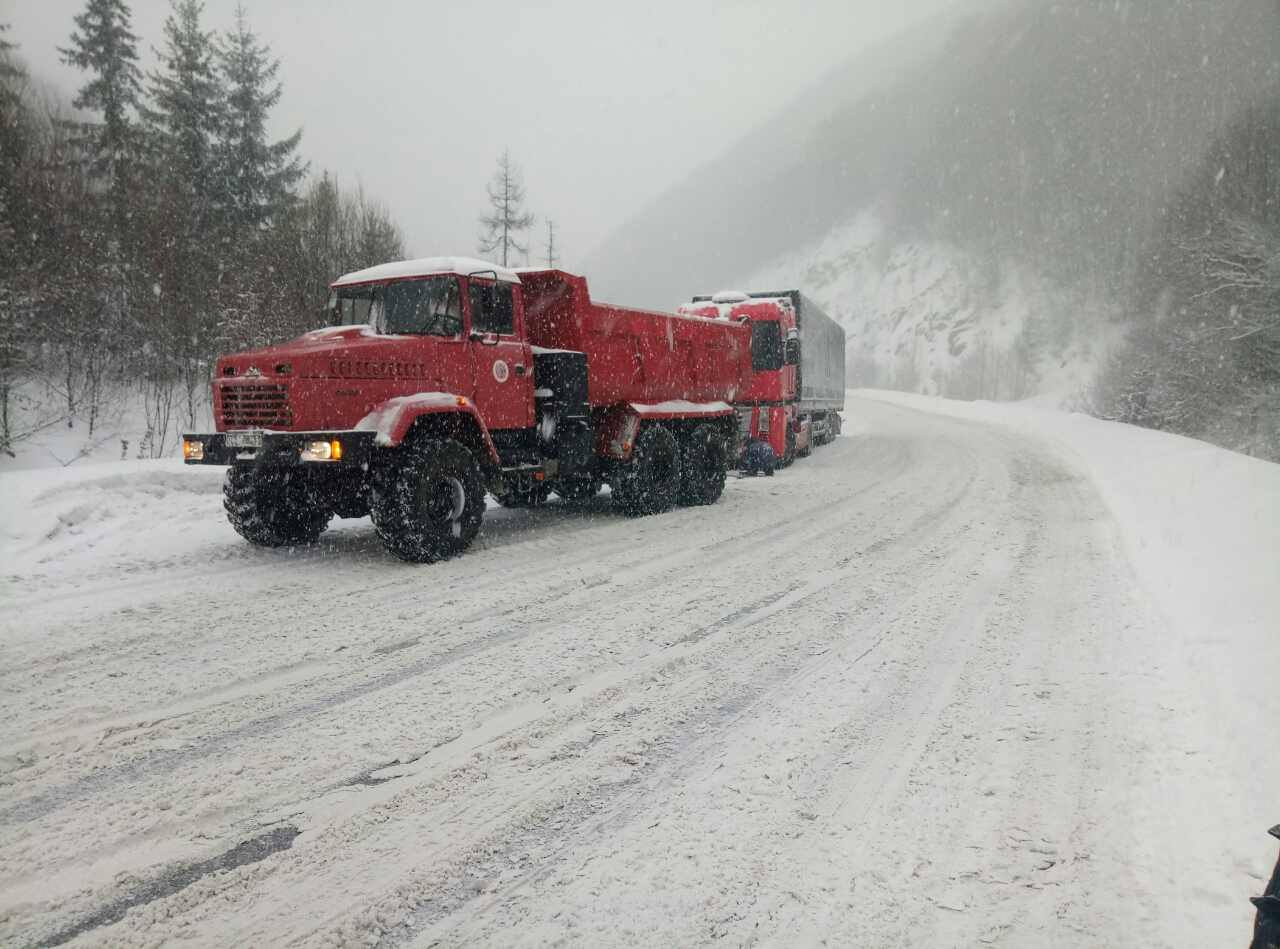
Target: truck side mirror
[(791, 352)]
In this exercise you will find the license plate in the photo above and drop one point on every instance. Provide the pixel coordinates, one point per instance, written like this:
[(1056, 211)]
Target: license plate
[(244, 439)]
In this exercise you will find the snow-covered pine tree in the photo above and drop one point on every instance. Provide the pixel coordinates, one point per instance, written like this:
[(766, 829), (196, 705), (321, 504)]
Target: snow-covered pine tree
[(13, 80), (66, 257), (509, 218), (185, 116), (15, 135), (319, 243), (331, 231), (189, 240), (376, 238), (261, 178), (15, 143), (104, 47), (262, 175)]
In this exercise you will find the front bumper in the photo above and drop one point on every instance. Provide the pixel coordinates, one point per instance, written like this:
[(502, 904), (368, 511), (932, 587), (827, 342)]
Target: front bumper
[(277, 448)]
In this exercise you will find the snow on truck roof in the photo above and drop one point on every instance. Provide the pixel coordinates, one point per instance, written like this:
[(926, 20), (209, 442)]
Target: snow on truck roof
[(425, 266)]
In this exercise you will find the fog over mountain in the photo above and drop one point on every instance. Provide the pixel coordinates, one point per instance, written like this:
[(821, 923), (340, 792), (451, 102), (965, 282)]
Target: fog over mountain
[(976, 202)]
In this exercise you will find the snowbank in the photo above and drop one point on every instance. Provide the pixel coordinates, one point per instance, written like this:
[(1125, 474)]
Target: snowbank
[(1201, 526), (84, 516)]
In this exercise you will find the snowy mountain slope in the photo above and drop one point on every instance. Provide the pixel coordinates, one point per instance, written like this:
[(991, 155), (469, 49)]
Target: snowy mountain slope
[(1024, 162), (1054, 132), (965, 702), (927, 316), (708, 227)]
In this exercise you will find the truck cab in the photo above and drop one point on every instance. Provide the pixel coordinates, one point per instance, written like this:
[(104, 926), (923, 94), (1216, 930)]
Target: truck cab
[(468, 329), (767, 405), (445, 325)]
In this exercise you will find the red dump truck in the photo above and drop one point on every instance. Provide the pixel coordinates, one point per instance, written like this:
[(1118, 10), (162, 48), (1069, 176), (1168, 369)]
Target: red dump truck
[(446, 378), (796, 392)]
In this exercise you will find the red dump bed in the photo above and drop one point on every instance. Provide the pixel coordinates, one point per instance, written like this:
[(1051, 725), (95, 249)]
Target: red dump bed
[(636, 355)]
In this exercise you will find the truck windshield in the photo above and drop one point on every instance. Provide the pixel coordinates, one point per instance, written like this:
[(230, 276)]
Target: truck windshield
[(431, 306), (766, 346), (350, 306)]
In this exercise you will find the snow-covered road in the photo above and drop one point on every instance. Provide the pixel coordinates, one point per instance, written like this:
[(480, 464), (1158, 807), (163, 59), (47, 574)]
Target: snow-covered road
[(910, 691)]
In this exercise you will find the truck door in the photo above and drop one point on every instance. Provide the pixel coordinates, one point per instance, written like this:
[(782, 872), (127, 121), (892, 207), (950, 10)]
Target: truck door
[(501, 357)]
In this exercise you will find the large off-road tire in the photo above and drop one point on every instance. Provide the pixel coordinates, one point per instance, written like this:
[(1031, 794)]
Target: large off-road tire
[(704, 465), (650, 482), (427, 503), (274, 507)]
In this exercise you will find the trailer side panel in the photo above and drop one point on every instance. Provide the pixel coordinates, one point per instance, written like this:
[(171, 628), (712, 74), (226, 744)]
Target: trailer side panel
[(822, 361)]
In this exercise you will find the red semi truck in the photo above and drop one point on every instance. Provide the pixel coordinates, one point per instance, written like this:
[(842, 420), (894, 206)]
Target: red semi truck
[(796, 391), (446, 378)]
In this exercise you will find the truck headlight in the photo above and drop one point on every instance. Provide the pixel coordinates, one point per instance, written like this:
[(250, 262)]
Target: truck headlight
[(192, 450), (322, 450)]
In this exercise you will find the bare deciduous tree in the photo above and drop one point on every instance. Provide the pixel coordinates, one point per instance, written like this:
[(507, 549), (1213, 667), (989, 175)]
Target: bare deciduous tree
[(1206, 361), (508, 218), (552, 259)]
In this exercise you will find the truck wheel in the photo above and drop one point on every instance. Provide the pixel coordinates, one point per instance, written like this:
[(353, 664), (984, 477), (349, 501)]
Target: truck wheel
[(650, 482), (273, 507), (704, 465), (428, 503)]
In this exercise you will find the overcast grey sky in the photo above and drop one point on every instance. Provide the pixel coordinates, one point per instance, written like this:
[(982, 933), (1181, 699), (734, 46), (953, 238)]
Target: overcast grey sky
[(603, 104)]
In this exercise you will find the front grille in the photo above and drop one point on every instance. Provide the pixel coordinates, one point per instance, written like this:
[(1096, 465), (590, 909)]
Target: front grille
[(256, 406)]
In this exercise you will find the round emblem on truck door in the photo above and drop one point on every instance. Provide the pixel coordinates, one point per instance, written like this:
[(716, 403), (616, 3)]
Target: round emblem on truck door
[(500, 371)]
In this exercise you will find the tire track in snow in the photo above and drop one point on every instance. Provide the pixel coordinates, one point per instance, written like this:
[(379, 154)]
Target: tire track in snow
[(782, 680), (132, 774), (739, 703), (177, 625), (637, 571), (892, 508)]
